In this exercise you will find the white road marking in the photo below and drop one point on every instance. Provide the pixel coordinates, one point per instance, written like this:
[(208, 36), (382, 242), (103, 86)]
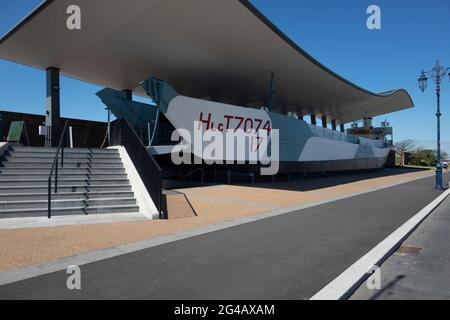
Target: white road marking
[(353, 277)]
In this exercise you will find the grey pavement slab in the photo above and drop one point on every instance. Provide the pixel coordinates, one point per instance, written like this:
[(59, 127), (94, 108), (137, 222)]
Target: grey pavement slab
[(421, 275)]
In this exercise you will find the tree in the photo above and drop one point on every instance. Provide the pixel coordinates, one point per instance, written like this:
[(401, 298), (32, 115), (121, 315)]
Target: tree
[(403, 146), (444, 155), (426, 157), (423, 157)]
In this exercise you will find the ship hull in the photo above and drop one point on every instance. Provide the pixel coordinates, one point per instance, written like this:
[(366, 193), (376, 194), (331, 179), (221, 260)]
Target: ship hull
[(295, 145), (302, 147)]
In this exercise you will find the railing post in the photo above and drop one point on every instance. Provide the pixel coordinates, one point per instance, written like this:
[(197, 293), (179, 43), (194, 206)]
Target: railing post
[(162, 214), (55, 165), (49, 212), (56, 175), (62, 154), (166, 212)]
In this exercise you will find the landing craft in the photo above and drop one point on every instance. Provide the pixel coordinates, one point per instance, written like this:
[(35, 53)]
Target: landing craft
[(303, 147)]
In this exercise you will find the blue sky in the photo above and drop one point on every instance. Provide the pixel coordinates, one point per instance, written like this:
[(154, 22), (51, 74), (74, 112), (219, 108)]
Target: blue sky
[(414, 35)]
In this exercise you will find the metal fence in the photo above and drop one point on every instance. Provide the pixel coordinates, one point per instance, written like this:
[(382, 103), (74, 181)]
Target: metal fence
[(333, 134), (326, 133)]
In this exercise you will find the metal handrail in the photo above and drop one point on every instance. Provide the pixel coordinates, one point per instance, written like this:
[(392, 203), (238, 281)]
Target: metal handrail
[(145, 164), (154, 162), (55, 168)]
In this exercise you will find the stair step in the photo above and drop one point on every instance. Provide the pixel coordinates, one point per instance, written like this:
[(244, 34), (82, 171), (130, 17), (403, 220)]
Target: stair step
[(66, 195), (66, 150), (68, 211), (48, 165), (13, 177), (85, 160), (93, 181), (66, 203), (63, 189), (39, 155), (64, 170), (61, 182)]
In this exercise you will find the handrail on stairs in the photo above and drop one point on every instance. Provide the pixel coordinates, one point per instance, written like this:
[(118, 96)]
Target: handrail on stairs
[(123, 134), (55, 169)]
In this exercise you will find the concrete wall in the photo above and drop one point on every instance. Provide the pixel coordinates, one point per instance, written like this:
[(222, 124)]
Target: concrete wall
[(86, 134), (144, 201)]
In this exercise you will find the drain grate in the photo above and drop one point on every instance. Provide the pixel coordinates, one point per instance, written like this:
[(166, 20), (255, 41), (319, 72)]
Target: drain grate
[(409, 250)]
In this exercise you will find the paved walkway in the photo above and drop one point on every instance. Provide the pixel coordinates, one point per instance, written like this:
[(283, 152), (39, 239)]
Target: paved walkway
[(30, 246), (420, 269), (291, 256)]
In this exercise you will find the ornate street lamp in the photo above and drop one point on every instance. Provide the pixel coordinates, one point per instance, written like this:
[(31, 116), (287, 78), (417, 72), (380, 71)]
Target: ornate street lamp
[(437, 74), (423, 81)]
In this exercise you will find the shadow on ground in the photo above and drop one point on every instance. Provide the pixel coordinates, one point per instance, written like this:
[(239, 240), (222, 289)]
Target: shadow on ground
[(310, 182)]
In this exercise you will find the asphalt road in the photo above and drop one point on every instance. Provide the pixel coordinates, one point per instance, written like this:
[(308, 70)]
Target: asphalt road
[(419, 270), (291, 256)]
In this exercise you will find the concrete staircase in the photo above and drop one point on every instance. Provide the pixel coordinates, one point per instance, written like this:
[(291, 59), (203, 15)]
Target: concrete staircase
[(93, 181)]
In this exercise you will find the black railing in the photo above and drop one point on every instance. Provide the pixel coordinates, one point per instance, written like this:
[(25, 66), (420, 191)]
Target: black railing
[(191, 174), (55, 166), (123, 134)]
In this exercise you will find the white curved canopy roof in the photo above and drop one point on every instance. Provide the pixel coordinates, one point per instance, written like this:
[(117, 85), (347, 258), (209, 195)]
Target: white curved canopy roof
[(223, 50)]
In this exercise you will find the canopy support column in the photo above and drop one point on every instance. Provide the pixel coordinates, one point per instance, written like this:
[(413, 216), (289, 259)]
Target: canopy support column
[(333, 125), (324, 121), (342, 127), (313, 120), (52, 113)]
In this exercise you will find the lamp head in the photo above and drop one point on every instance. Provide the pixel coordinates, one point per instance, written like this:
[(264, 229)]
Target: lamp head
[(423, 81)]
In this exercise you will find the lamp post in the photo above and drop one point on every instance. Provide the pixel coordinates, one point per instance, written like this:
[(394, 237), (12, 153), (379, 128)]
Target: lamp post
[(437, 74)]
